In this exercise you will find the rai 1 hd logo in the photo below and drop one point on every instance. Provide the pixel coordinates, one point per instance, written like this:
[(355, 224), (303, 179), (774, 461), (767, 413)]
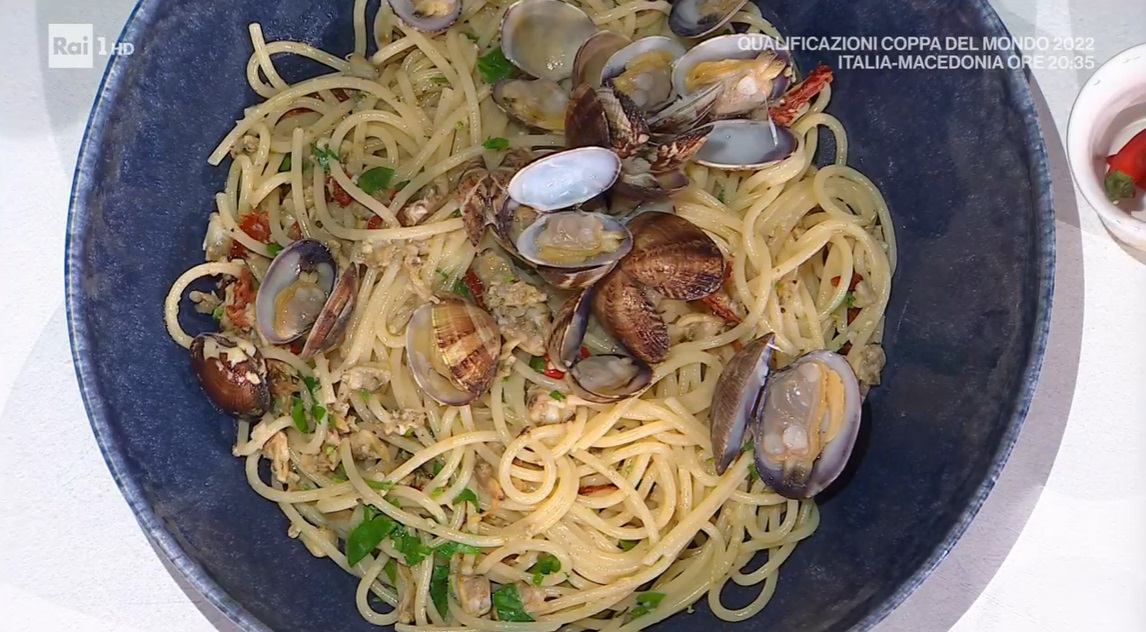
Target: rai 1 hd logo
[(75, 46)]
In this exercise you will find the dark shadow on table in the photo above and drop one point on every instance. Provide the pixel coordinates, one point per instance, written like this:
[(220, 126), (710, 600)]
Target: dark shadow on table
[(955, 585)]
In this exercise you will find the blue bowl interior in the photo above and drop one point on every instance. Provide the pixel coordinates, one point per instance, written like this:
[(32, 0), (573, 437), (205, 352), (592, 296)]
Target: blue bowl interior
[(957, 154)]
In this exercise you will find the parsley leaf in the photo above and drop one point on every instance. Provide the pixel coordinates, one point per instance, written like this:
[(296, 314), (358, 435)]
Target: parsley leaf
[(319, 412), (364, 394), (410, 545), (297, 414), (448, 548), (507, 605), (645, 602), (439, 80), (217, 313), (369, 533), (323, 156), (545, 565), (391, 570), (495, 143), (461, 289), (274, 248), (471, 36), (557, 395), (375, 179), (720, 197), (460, 125), (311, 385), (467, 495), (627, 545), (493, 67), (285, 166), (437, 491), (440, 588), (384, 486), (537, 363), (752, 473), (850, 299)]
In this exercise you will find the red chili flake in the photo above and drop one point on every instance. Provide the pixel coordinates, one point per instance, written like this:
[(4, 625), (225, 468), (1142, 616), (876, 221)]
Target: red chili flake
[(737, 345), (336, 192), (853, 312), (241, 296), (552, 371), (295, 112), (789, 107), (846, 349), (721, 305), (856, 278), (835, 281), (593, 489), (296, 345), (374, 222), (584, 352), (238, 251), (474, 284), (256, 225)]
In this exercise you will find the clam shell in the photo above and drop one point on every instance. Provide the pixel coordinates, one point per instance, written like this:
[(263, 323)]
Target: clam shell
[(745, 97), (786, 392), (628, 130), (542, 37), (736, 399), (537, 103), (609, 378), (746, 144), (623, 309), (569, 326), (527, 242), (697, 18), (232, 373), (565, 178), (650, 187), (687, 112), (593, 55), (674, 257), (618, 62), (585, 122), (303, 256), (673, 153), (335, 315), (409, 12), (565, 279), (467, 344)]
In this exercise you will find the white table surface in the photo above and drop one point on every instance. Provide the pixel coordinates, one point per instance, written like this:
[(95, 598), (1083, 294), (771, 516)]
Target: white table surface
[(1059, 546)]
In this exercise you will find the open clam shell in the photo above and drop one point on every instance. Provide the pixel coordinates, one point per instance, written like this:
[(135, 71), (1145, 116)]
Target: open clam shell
[(574, 240), (586, 124), (609, 378), (643, 70), (751, 74), (594, 54), (294, 290), (737, 398), (569, 327), (687, 112), (335, 315), (565, 178), (537, 103), (452, 348), (430, 16), (806, 424), (746, 144), (542, 37), (697, 18)]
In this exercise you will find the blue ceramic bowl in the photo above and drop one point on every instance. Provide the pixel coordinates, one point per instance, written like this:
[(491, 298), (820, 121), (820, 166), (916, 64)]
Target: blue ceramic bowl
[(958, 154)]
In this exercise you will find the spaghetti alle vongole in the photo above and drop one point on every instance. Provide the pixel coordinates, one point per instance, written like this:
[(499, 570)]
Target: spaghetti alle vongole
[(502, 400)]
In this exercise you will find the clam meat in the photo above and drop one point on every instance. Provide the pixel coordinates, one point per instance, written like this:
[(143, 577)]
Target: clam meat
[(749, 78), (643, 71), (542, 37), (574, 239), (609, 378), (537, 103)]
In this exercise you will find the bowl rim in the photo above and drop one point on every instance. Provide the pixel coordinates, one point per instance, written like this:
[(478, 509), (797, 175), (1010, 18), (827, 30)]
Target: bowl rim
[(1079, 155), (143, 15)]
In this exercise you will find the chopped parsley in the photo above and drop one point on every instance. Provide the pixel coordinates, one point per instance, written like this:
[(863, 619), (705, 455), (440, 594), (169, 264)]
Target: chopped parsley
[(495, 143), (494, 67), (557, 395), (448, 548), (460, 125), (437, 492), (435, 467), (627, 545), (467, 495), (391, 570), (297, 414), (850, 299), (217, 313), (507, 605), (537, 363), (274, 248), (440, 588), (319, 412), (752, 473), (410, 545), (384, 486), (646, 601), (720, 197), (375, 179), (323, 156), (364, 394), (369, 533), (285, 166), (472, 37), (545, 565), (460, 288), (439, 80)]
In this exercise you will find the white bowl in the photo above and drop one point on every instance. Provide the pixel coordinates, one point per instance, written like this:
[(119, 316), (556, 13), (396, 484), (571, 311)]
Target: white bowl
[(1110, 109)]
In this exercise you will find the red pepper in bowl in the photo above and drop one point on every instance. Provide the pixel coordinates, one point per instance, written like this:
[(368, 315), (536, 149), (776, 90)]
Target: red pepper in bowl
[(1127, 169)]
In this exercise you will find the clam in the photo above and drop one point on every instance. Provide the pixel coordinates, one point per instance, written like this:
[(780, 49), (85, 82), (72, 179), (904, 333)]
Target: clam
[(628, 130), (574, 240), (687, 112), (746, 144), (233, 374), (537, 103), (736, 399), (643, 70), (542, 37), (430, 16), (300, 295), (573, 279), (569, 327), (585, 121), (674, 257), (593, 55), (749, 77), (639, 184), (697, 18), (452, 347), (565, 178), (808, 424), (624, 309), (609, 378)]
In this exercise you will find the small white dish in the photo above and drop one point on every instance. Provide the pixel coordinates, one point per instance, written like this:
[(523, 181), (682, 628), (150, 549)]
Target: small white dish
[(1109, 110)]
